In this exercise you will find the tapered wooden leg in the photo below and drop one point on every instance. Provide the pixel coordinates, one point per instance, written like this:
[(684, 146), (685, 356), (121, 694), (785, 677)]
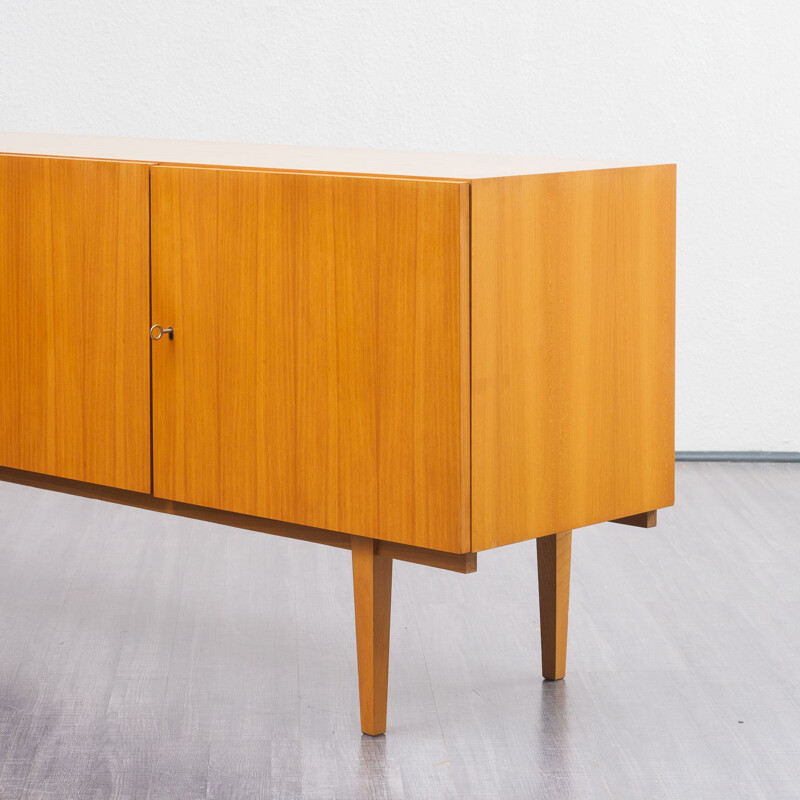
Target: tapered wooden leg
[(372, 587), (553, 560)]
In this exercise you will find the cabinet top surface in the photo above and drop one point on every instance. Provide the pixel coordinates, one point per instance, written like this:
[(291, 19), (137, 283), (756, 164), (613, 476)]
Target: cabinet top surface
[(401, 163)]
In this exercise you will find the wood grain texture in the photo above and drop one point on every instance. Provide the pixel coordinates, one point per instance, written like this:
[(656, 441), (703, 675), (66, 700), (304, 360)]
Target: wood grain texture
[(74, 355), (316, 375), (573, 323), (647, 519), (372, 590), (553, 557)]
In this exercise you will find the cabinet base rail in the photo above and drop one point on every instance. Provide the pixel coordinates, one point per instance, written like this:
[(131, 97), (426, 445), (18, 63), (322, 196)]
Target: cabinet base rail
[(464, 563)]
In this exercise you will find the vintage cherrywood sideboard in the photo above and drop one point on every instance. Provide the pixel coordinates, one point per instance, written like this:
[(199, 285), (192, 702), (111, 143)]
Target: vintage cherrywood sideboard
[(413, 356)]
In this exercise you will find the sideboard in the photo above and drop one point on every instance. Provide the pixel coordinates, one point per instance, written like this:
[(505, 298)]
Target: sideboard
[(413, 356)]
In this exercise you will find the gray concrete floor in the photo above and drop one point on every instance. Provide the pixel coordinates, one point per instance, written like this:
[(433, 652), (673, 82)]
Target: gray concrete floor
[(143, 655)]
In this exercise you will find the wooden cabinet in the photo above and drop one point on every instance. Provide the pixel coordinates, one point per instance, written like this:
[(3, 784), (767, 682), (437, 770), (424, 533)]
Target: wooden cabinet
[(411, 356), (74, 361)]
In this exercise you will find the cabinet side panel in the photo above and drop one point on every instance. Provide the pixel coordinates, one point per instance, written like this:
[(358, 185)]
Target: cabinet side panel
[(314, 374), (74, 352), (573, 329)]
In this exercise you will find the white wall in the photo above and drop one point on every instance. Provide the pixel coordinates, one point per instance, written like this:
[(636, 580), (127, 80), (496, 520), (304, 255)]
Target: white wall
[(711, 84)]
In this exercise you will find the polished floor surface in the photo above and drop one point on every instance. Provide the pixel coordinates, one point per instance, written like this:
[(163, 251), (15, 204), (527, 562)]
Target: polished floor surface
[(143, 656)]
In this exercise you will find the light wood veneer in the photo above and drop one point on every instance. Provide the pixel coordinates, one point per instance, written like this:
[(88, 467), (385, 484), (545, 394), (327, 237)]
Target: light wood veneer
[(315, 375), (573, 331), (413, 356), (74, 352)]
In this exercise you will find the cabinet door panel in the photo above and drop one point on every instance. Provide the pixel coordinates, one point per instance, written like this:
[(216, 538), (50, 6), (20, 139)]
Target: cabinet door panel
[(74, 356), (317, 374)]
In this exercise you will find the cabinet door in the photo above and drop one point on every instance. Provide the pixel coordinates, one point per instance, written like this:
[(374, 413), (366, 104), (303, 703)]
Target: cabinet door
[(318, 372), (74, 289)]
